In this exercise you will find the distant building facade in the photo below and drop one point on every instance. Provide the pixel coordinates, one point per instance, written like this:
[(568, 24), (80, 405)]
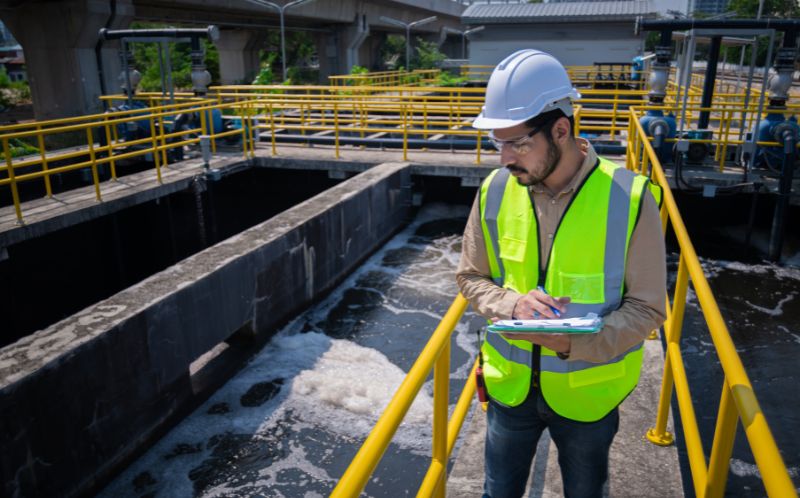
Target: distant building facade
[(709, 6), (11, 56), (577, 33)]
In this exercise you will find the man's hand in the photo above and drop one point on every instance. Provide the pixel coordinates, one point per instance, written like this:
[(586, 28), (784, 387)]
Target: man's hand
[(537, 304)]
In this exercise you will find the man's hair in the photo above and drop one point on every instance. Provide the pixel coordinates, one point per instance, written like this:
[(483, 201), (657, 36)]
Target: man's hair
[(546, 120)]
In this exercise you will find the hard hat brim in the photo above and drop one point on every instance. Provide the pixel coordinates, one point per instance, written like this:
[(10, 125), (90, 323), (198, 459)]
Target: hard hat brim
[(484, 123)]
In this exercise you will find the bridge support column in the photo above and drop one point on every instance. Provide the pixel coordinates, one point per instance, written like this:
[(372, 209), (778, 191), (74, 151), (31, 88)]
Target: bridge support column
[(350, 41), (238, 55), (328, 53), (63, 54)]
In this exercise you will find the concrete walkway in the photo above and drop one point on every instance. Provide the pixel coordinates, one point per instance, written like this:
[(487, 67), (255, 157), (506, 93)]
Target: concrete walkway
[(638, 469)]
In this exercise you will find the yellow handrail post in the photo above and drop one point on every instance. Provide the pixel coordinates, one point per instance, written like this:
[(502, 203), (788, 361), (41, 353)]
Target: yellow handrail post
[(110, 146), (93, 160), (252, 131), (724, 436), (161, 134), (156, 158), (272, 129), (244, 115), (336, 125), (11, 176), (658, 434), (441, 393), (40, 141), (614, 115), (478, 148), (404, 111)]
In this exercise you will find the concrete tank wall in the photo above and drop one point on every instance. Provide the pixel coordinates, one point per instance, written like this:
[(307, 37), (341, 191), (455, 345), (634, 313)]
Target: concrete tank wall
[(81, 396)]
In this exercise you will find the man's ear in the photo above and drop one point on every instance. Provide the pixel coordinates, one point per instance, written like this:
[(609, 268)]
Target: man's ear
[(561, 130)]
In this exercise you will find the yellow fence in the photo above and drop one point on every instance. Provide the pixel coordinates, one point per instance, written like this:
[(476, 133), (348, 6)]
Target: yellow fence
[(328, 115), (738, 401), (99, 140), (387, 78)]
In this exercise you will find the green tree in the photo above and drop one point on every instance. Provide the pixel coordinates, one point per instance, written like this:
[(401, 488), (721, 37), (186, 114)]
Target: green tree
[(428, 55), (146, 60), (393, 52), (748, 9)]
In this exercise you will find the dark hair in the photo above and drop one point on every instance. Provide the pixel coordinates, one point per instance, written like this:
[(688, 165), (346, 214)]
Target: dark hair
[(546, 120)]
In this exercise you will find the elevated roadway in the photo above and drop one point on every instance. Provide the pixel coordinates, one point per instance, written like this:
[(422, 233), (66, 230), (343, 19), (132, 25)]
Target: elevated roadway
[(69, 67)]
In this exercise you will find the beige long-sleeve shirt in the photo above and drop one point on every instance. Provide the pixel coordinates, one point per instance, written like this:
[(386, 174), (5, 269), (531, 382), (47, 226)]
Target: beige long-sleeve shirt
[(643, 303)]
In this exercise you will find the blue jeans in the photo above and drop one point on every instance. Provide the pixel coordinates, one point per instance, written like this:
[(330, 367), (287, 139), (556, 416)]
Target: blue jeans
[(511, 438)]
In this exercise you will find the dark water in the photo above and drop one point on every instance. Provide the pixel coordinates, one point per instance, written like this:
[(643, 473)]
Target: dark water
[(761, 307), (290, 422)]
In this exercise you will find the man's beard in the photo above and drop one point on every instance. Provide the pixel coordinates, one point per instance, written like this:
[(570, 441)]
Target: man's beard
[(550, 163)]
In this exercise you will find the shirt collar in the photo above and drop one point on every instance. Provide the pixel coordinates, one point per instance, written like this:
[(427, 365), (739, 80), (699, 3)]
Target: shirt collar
[(589, 160)]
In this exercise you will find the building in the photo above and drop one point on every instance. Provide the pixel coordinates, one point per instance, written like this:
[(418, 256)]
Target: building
[(577, 33), (13, 60), (708, 6)]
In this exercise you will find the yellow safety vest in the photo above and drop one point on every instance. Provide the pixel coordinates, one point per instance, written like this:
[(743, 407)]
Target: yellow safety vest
[(586, 263)]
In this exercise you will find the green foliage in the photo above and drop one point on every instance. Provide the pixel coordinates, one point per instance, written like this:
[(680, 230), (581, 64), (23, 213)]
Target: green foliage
[(748, 9), (785, 9), (651, 40), (358, 70), (428, 55), (447, 79), (13, 92), (266, 75), (146, 59), (19, 148), (393, 52), (300, 48)]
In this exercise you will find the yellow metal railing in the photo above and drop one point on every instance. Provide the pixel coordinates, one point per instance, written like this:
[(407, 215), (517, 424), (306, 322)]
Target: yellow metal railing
[(738, 401), (434, 356), (100, 142), (387, 78)]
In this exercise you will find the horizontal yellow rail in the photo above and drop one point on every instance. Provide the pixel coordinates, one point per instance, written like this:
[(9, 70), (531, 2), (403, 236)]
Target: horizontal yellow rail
[(738, 401), (89, 154)]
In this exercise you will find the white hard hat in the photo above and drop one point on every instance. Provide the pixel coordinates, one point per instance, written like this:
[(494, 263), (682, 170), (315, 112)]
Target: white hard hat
[(524, 85)]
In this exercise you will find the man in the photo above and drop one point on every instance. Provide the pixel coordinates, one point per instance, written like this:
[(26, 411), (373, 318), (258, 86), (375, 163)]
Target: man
[(557, 229)]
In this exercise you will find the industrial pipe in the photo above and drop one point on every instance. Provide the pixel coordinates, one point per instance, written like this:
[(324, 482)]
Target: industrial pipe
[(785, 25), (708, 84), (212, 32), (785, 189)]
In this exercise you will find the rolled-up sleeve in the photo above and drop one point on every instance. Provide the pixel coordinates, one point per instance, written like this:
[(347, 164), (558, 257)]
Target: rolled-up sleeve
[(474, 277), (643, 307)]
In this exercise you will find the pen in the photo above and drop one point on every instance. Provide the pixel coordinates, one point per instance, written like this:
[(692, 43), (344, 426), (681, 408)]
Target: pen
[(552, 308)]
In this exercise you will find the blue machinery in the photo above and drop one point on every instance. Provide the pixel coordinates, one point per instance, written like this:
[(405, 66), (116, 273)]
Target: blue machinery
[(774, 127)]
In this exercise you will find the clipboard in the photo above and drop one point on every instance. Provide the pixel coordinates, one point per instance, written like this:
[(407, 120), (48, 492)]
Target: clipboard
[(589, 324)]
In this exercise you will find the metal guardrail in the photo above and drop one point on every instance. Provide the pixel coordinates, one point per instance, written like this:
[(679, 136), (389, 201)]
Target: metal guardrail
[(387, 78), (436, 115), (738, 401), (99, 142)]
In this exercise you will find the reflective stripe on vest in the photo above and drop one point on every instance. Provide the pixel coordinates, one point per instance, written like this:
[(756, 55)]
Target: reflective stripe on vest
[(616, 236), (575, 389)]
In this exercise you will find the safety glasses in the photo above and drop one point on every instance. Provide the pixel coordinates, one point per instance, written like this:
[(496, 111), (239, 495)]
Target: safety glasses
[(519, 145)]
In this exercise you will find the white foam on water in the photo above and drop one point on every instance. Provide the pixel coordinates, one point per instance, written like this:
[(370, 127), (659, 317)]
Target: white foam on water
[(795, 337), (777, 310), (746, 469), (330, 385)]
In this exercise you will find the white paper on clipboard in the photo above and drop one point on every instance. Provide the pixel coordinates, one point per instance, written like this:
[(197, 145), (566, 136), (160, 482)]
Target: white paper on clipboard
[(586, 324)]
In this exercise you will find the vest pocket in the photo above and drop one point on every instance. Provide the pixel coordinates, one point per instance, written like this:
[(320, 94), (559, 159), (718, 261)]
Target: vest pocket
[(596, 375), (512, 249), (583, 288)]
